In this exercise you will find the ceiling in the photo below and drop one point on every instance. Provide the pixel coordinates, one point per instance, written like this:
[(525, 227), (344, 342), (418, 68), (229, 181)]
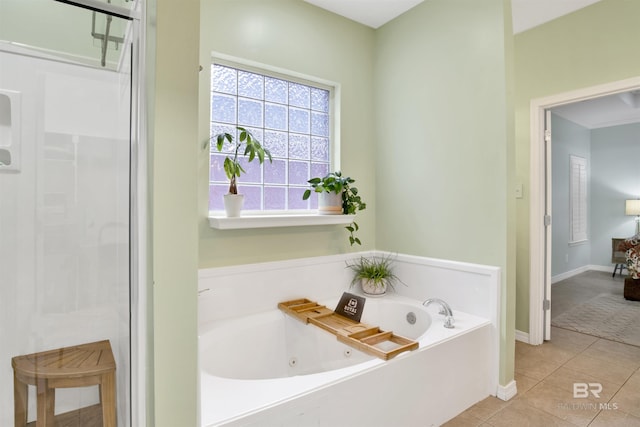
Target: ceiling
[(373, 13), (611, 110), (526, 14)]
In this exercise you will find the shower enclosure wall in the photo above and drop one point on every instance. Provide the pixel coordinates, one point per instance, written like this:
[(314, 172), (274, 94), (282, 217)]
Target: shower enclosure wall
[(66, 214)]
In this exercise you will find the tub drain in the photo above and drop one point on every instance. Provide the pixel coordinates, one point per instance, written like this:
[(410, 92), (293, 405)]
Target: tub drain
[(411, 318), (293, 361)]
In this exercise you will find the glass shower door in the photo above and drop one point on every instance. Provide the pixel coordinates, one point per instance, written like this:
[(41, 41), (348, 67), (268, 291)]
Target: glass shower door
[(65, 191)]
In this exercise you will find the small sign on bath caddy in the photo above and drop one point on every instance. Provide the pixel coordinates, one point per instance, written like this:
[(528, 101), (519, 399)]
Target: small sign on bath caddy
[(350, 306)]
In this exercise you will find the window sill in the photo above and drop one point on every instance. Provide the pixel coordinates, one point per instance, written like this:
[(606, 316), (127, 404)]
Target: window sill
[(222, 222)]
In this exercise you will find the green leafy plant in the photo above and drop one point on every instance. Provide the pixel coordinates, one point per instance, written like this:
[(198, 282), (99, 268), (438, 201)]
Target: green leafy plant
[(253, 149), (334, 182), (378, 270)]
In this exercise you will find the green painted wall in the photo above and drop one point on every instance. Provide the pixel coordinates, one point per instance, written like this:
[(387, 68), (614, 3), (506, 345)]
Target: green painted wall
[(295, 36), (174, 117), (444, 130), (592, 46)]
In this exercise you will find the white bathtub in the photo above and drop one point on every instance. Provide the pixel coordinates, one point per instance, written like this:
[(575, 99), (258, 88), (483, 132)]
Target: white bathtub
[(269, 369)]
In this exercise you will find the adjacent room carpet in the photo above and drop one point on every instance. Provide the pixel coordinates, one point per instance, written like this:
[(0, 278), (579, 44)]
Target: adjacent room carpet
[(605, 316)]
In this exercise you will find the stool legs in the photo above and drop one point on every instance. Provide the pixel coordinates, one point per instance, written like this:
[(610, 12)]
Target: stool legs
[(108, 399), (20, 402), (46, 404)]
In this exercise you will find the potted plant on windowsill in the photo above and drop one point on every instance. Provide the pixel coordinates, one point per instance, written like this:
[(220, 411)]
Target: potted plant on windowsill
[(375, 275), (336, 196), (253, 150)]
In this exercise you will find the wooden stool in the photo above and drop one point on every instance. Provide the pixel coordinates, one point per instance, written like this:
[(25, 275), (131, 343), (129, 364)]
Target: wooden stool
[(77, 366)]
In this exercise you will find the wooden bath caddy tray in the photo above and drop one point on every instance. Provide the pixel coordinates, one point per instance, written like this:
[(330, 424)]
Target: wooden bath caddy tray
[(366, 338)]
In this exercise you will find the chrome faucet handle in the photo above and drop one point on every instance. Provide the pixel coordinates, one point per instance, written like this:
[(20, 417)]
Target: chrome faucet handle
[(445, 310), (448, 322)]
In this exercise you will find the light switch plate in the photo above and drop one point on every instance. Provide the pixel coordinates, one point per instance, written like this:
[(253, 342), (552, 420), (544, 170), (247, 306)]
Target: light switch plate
[(519, 191)]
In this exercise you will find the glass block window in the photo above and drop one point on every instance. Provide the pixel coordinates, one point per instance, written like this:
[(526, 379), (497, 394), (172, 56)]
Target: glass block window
[(289, 117)]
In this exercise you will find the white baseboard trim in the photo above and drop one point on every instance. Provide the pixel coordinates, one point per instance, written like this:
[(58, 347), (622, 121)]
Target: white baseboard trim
[(568, 274), (522, 336), (607, 268), (507, 392), (571, 273)]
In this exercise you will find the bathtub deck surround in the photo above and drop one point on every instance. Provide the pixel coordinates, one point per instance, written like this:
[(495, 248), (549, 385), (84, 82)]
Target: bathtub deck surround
[(310, 378), (309, 372)]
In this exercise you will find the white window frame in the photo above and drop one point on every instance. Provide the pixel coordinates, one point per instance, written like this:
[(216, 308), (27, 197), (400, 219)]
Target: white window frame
[(283, 218), (578, 200)]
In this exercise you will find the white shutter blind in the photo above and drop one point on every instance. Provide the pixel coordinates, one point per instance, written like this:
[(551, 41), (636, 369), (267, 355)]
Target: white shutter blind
[(578, 199)]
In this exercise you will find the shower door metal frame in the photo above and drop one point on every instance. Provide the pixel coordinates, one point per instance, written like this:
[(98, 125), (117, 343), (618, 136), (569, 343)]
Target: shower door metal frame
[(107, 8), (138, 185)]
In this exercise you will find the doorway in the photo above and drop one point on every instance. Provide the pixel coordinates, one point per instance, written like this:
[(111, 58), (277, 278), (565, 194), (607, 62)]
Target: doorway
[(540, 204)]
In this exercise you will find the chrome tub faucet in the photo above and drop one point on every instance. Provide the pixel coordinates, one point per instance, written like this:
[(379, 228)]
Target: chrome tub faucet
[(444, 309)]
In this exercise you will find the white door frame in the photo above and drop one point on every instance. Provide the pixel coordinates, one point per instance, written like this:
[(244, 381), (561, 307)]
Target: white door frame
[(538, 278)]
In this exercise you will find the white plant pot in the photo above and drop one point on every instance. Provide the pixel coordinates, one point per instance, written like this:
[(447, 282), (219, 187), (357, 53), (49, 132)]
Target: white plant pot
[(233, 204), (329, 203), (370, 288)]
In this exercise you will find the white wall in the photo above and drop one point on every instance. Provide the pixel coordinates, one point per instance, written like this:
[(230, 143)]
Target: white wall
[(227, 292), (615, 177)]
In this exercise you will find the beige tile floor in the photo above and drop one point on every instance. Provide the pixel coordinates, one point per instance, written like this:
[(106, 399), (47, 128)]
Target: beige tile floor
[(545, 374), (545, 377)]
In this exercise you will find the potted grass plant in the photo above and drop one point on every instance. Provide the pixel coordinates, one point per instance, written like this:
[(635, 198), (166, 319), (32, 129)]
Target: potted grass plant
[(233, 169), (375, 275), (337, 196)]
